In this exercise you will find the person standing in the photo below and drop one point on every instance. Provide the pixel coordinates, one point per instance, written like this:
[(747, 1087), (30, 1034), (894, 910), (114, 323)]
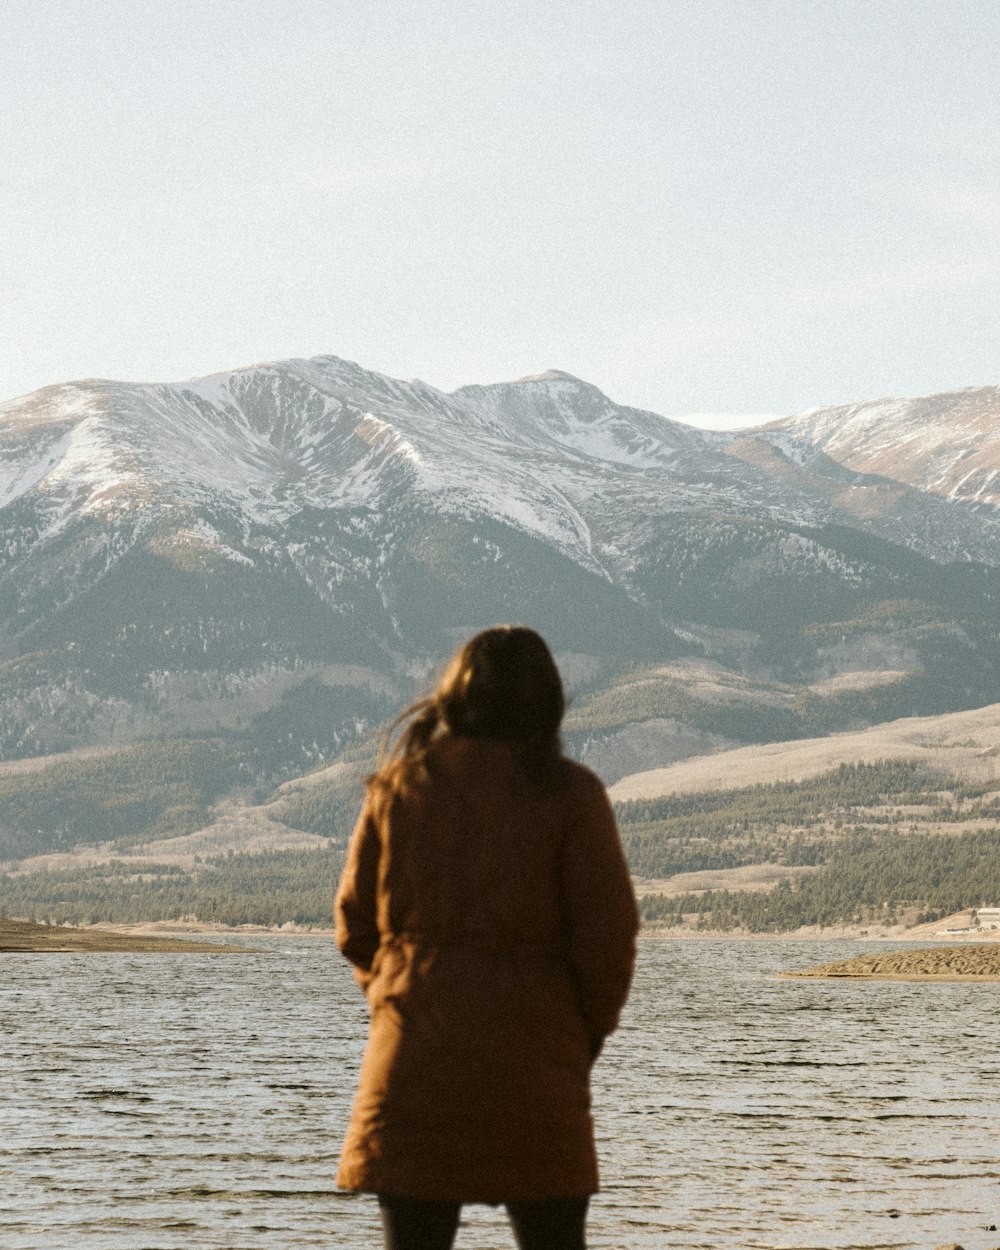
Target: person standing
[(488, 912)]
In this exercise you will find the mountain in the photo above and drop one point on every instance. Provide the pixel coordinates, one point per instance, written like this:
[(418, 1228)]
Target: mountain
[(947, 445), (285, 551), (212, 593)]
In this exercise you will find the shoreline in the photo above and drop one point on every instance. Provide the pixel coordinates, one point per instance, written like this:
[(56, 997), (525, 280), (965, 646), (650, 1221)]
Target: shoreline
[(812, 933), (979, 962), (21, 937), (844, 933)]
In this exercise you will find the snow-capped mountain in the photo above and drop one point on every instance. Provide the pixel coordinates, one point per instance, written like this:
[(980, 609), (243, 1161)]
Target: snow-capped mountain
[(550, 455), (946, 444), (266, 443), (310, 516)]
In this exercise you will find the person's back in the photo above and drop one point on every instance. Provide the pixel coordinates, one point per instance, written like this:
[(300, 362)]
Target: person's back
[(474, 848), (487, 906)]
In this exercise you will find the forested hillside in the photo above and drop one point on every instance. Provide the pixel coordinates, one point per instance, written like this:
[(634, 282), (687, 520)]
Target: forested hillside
[(868, 843), (880, 843)]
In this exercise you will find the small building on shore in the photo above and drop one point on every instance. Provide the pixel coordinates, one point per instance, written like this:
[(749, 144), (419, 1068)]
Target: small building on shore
[(988, 917)]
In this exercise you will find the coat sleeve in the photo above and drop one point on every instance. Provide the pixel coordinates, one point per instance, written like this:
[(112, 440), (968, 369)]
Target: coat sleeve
[(354, 910), (600, 917)]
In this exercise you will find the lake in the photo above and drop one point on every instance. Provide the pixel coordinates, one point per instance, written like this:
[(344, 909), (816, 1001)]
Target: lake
[(168, 1102)]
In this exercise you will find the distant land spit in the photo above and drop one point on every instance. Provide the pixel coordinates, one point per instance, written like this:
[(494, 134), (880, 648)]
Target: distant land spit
[(21, 937)]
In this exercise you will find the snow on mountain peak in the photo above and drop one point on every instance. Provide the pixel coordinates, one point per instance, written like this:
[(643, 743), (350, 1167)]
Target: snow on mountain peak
[(550, 375), (947, 444), (548, 453)]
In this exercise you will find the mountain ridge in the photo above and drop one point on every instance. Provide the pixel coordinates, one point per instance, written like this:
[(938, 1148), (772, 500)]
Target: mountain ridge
[(269, 440), (170, 553)]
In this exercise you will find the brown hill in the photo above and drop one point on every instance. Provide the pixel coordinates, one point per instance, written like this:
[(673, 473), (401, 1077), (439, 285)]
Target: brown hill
[(963, 744)]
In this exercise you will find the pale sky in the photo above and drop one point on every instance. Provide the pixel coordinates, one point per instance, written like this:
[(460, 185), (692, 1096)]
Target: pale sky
[(698, 205)]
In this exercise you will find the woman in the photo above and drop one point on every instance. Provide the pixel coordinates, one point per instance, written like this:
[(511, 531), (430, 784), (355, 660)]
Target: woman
[(488, 911)]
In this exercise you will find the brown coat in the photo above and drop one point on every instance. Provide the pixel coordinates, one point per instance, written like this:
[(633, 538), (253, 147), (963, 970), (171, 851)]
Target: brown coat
[(493, 931)]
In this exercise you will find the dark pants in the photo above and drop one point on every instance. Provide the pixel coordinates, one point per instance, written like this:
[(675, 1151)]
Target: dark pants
[(422, 1224)]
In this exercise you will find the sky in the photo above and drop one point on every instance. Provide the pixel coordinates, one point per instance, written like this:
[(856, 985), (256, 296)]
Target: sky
[(700, 206)]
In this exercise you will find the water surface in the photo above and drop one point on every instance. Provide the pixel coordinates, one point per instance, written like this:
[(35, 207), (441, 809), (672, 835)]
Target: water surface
[(188, 1102)]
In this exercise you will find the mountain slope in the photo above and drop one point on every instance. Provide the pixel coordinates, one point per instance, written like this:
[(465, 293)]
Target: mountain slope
[(947, 445), (297, 544)]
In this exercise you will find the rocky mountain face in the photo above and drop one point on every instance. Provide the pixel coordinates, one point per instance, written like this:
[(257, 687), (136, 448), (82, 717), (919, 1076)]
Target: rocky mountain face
[(284, 552), (947, 445)]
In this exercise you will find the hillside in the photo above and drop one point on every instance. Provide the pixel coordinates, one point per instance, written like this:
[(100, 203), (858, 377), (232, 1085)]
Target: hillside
[(947, 444), (965, 746), (902, 838), (897, 824)]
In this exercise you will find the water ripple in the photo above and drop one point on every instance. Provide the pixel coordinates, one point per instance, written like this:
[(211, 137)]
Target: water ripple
[(194, 1103)]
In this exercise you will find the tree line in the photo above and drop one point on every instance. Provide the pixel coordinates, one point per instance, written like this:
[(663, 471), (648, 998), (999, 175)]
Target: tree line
[(869, 877)]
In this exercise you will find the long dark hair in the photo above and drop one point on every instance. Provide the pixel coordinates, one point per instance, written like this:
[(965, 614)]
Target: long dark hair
[(502, 684)]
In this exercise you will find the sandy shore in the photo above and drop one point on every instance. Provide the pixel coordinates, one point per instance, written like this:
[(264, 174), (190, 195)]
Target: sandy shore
[(98, 936), (979, 962), (20, 936)]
